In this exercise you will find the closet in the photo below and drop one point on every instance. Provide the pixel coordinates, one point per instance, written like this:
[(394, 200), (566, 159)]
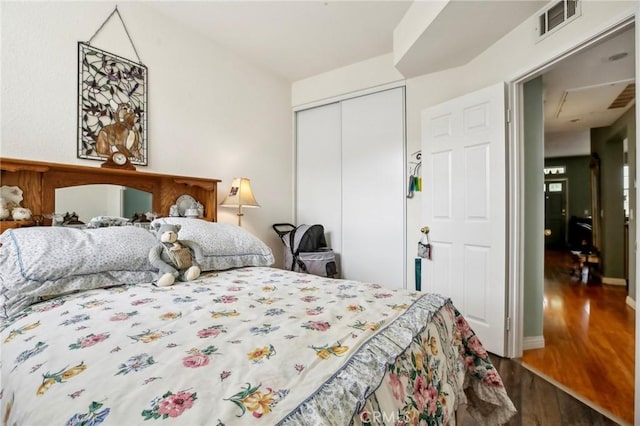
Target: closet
[(350, 177)]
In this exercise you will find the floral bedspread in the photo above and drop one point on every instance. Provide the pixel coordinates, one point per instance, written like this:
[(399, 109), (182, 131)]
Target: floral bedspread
[(442, 365), (248, 346)]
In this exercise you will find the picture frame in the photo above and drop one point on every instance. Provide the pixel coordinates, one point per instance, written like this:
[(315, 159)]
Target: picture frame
[(112, 106)]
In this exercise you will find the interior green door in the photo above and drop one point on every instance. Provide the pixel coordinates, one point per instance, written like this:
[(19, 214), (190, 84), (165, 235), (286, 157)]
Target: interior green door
[(555, 213)]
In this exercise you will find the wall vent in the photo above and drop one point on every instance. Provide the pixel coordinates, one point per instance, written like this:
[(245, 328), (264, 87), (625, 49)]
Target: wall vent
[(627, 95), (557, 15)]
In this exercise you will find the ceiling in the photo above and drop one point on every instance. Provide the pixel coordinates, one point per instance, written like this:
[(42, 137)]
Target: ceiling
[(579, 90), (438, 48), (300, 39), (294, 39)]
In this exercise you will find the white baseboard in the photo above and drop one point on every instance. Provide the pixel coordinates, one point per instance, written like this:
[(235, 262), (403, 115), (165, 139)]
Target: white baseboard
[(614, 281), (534, 342), (631, 303)]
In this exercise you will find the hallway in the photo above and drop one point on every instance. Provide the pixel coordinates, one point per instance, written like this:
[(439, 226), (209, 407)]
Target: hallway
[(589, 338)]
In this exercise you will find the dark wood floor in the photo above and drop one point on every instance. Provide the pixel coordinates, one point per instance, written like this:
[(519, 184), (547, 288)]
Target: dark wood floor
[(538, 401), (589, 336)]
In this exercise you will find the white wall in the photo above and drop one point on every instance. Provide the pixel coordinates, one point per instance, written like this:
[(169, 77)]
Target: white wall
[(419, 16), (567, 144), (373, 72), (211, 114), (509, 58)]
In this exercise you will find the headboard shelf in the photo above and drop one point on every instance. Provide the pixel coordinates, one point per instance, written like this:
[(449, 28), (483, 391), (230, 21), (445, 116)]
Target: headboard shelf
[(39, 180)]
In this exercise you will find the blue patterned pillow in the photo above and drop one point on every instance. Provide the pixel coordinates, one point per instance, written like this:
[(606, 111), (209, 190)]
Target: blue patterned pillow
[(42, 262), (224, 246)]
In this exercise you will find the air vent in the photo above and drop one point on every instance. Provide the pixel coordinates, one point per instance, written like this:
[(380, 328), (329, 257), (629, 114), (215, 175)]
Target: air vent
[(557, 15), (627, 95)]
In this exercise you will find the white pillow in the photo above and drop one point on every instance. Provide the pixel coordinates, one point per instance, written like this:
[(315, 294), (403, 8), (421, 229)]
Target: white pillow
[(49, 261), (224, 246)]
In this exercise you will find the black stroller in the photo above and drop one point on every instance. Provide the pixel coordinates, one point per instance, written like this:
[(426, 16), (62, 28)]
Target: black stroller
[(305, 249)]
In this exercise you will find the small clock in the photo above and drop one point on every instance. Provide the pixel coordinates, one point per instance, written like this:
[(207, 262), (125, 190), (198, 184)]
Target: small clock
[(118, 160)]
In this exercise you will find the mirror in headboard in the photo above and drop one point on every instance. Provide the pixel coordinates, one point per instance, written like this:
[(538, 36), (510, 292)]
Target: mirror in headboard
[(40, 180), (89, 201)]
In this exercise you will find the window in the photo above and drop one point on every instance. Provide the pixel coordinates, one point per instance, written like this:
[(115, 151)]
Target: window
[(555, 170), (555, 187)]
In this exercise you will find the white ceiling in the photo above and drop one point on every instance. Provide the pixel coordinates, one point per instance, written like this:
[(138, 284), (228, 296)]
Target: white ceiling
[(463, 30), (299, 39), (294, 39), (579, 90)]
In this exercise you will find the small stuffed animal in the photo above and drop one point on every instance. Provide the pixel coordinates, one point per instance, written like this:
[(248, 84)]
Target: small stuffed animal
[(175, 259)]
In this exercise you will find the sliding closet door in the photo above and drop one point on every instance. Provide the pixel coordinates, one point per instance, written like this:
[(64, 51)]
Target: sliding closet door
[(373, 196), (318, 182)]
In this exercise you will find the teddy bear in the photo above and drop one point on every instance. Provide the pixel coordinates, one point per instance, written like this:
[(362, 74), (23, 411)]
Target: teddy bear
[(174, 258)]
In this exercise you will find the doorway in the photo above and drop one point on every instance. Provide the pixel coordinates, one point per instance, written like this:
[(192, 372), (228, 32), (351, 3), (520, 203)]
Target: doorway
[(555, 213), (599, 137), (605, 132)]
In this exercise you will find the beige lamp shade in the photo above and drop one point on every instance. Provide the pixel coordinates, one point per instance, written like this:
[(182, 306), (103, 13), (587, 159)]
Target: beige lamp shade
[(240, 195)]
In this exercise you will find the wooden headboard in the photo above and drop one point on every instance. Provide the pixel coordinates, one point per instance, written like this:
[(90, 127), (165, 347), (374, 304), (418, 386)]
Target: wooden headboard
[(39, 180)]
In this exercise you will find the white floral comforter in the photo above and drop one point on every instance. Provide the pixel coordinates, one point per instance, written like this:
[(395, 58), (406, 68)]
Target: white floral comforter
[(247, 346)]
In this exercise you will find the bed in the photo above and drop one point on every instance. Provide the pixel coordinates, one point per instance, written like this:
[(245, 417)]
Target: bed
[(87, 338)]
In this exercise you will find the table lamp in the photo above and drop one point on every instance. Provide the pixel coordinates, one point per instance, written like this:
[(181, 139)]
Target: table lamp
[(240, 195)]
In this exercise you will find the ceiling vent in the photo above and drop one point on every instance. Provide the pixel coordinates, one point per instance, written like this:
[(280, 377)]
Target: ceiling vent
[(557, 15), (627, 95)]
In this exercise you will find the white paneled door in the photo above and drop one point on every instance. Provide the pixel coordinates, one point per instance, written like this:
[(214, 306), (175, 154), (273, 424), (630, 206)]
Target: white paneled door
[(464, 206)]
